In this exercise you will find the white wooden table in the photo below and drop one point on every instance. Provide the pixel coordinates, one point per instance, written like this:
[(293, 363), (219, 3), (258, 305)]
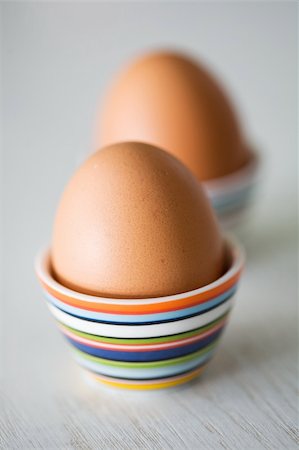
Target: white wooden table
[(55, 64)]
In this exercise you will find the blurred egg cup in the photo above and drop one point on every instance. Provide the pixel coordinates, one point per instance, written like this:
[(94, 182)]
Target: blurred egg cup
[(231, 195)]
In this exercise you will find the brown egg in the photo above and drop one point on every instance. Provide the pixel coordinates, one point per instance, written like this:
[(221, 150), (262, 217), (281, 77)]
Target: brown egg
[(134, 222), (168, 100)]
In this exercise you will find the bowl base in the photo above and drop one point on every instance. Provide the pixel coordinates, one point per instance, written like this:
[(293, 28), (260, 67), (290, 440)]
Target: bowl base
[(144, 385)]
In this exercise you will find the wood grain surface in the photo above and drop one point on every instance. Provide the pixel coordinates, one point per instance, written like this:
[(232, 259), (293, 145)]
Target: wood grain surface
[(57, 57)]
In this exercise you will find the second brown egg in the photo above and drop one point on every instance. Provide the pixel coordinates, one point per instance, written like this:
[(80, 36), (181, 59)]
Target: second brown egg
[(168, 100)]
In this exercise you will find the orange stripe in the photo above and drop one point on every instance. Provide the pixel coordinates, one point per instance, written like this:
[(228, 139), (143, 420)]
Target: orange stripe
[(145, 309)]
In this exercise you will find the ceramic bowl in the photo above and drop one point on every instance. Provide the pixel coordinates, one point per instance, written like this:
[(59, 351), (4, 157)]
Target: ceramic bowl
[(143, 343)]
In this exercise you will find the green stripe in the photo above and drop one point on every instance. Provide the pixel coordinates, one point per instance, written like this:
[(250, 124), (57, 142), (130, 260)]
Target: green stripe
[(157, 340), (147, 365)]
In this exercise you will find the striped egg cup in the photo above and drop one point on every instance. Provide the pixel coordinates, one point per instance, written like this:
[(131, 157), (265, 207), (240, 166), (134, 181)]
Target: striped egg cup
[(143, 343), (232, 194)]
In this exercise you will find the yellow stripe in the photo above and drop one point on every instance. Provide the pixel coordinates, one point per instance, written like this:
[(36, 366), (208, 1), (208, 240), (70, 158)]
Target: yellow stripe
[(161, 385)]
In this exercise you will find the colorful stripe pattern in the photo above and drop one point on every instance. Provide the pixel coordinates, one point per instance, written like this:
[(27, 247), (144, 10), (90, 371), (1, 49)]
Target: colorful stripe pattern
[(143, 318), (142, 331), (146, 352), (148, 369), (143, 343)]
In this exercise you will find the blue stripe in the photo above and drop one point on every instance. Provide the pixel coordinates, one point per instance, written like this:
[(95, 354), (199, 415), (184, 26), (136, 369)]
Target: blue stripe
[(143, 373), (147, 356)]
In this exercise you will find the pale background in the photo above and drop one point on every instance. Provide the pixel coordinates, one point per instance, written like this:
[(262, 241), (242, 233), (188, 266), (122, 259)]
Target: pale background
[(56, 59)]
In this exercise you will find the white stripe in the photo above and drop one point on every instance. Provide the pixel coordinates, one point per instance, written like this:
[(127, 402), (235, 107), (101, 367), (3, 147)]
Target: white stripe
[(141, 331)]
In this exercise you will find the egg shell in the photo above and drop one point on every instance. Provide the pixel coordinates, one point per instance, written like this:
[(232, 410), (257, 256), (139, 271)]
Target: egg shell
[(134, 222), (168, 100)]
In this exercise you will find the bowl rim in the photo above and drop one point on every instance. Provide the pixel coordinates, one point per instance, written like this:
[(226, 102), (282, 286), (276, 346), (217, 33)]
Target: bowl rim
[(240, 179), (142, 318), (42, 269)]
